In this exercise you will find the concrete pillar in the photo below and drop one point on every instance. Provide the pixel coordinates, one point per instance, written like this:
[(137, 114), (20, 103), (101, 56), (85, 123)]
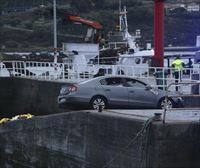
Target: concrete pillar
[(159, 33)]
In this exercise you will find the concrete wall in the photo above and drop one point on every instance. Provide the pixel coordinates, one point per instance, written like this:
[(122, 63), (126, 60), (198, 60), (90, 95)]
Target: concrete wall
[(97, 140), (192, 102), (174, 145), (7, 95), (20, 96)]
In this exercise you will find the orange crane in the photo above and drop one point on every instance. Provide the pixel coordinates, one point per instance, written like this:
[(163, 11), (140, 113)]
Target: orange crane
[(94, 30)]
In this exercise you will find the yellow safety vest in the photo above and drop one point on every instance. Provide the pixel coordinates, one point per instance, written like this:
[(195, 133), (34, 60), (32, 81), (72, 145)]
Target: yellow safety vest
[(178, 65)]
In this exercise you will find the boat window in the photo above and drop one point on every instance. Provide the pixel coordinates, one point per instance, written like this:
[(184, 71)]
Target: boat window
[(137, 60), (144, 60), (131, 51), (109, 71), (120, 72)]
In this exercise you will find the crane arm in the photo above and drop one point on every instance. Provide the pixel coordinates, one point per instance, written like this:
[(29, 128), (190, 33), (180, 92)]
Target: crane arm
[(95, 25)]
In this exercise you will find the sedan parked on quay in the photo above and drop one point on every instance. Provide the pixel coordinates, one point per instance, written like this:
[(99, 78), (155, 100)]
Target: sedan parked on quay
[(115, 92)]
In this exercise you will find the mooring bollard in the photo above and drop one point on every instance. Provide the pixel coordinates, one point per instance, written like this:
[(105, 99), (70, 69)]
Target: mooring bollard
[(157, 116)]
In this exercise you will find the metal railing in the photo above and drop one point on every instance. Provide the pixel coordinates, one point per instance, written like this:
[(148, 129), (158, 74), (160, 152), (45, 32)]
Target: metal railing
[(181, 94), (156, 76)]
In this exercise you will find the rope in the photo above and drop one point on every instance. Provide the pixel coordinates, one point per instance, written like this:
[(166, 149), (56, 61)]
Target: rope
[(132, 141), (144, 147)]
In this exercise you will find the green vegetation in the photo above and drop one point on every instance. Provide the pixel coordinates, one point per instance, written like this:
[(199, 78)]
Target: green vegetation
[(33, 29)]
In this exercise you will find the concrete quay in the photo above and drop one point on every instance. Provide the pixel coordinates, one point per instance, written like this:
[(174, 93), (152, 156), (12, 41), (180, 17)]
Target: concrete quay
[(111, 139), (56, 138)]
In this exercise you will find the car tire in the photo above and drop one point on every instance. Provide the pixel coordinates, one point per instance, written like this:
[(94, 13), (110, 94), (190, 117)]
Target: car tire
[(161, 103), (98, 100)]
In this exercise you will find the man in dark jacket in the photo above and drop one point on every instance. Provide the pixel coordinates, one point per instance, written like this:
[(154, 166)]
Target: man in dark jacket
[(101, 72)]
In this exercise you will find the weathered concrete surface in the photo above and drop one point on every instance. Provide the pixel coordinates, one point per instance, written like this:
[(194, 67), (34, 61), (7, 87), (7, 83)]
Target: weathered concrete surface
[(7, 95), (20, 96), (97, 140), (174, 145), (192, 102), (77, 139)]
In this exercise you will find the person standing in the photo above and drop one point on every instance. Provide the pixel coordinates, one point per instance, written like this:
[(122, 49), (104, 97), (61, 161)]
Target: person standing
[(177, 66), (101, 72)]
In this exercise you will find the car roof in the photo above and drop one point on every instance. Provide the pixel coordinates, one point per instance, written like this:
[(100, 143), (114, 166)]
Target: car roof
[(109, 76), (115, 76)]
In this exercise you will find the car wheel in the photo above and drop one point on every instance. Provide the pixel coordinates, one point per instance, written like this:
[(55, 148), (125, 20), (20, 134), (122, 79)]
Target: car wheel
[(98, 101), (162, 102)]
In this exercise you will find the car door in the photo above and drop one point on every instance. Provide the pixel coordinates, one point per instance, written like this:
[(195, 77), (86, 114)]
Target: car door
[(139, 95), (115, 92)]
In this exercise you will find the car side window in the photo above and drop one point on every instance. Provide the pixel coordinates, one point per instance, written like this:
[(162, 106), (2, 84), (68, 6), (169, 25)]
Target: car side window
[(134, 83), (111, 81), (103, 82)]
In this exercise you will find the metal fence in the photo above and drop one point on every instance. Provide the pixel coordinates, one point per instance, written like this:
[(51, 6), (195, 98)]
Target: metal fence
[(160, 77)]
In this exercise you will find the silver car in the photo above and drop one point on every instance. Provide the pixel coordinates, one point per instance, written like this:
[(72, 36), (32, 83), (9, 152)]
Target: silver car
[(114, 92)]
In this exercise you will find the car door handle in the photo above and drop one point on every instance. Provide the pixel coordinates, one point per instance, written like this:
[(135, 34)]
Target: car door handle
[(131, 91)]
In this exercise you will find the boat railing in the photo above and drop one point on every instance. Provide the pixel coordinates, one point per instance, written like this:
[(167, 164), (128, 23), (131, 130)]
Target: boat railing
[(160, 77), (116, 45), (105, 60)]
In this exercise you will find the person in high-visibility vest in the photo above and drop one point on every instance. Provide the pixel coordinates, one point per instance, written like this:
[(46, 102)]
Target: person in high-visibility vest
[(177, 66)]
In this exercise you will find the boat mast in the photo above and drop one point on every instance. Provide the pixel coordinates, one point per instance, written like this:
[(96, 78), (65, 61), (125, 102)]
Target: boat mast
[(120, 20), (123, 27), (55, 32)]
